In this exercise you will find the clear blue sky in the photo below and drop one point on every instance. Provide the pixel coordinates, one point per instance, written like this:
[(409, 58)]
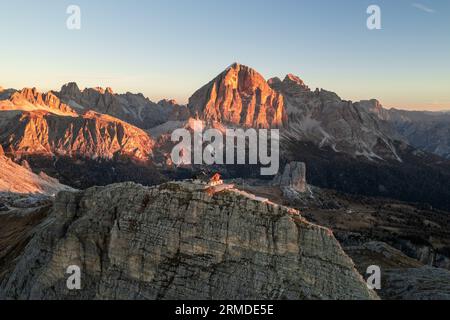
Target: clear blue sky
[(169, 48)]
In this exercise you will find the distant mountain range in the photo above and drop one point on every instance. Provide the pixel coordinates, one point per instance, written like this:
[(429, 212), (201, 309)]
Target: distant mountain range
[(428, 131), (356, 147)]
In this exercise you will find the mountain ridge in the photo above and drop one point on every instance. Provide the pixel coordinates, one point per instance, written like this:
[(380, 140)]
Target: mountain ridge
[(315, 126), (92, 135)]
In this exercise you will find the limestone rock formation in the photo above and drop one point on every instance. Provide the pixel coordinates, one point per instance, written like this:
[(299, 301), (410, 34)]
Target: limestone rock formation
[(132, 108), (291, 84), (30, 99), (292, 178), (15, 178), (239, 96), (323, 118), (167, 102), (71, 90), (92, 135), (178, 241)]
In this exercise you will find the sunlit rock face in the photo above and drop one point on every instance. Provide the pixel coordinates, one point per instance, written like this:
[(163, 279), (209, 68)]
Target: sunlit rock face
[(15, 178), (178, 241), (30, 99), (239, 96), (91, 135)]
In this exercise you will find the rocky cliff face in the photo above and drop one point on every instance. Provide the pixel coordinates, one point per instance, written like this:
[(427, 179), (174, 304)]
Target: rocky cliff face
[(91, 135), (15, 178), (323, 118), (132, 108), (30, 99), (239, 96), (292, 180), (178, 241)]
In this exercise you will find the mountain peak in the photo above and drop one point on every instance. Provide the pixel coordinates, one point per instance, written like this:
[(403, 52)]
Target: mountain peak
[(109, 90), (32, 99), (237, 69), (274, 81), (240, 96), (236, 65), (29, 91), (70, 89), (293, 78), (167, 102)]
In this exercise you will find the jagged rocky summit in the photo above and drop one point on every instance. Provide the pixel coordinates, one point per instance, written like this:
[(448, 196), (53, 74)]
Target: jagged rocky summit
[(91, 135), (177, 241), (239, 96)]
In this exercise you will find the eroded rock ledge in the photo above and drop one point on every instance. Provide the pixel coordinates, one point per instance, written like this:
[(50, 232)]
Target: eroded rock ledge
[(176, 241)]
